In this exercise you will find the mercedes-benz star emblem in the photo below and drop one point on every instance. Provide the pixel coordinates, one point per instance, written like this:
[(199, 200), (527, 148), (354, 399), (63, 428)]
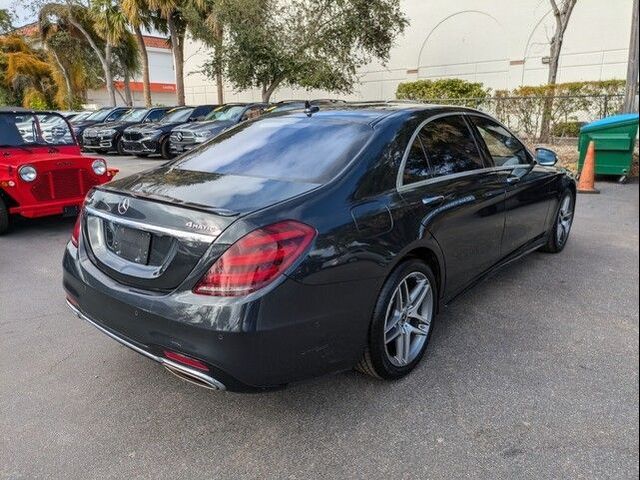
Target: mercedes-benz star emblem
[(123, 206)]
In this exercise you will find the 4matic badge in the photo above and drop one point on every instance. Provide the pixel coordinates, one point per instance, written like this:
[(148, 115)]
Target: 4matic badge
[(202, 228)]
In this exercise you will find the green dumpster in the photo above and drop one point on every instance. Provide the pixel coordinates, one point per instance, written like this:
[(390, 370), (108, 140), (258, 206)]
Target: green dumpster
[(614, 138)]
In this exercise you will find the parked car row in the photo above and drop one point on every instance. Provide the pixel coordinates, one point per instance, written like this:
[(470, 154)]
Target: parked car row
[(168, 131)]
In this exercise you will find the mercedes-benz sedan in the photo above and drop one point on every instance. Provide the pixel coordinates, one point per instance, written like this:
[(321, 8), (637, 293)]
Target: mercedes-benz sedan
[(312, 241)]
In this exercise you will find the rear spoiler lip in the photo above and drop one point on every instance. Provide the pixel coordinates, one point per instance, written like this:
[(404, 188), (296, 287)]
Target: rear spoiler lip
[(223, 212)]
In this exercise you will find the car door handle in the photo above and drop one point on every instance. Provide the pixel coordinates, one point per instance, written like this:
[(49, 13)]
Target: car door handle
[(512, 180), (432, 200)]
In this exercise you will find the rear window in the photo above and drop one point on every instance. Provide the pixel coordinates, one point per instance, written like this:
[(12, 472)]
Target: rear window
[(292, 148)]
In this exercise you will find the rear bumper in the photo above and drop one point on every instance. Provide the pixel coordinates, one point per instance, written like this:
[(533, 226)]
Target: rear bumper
[(205, 379), (291, 333)]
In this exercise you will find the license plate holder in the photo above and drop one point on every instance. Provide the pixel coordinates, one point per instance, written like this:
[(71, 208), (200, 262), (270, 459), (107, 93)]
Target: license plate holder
[(128, 243)]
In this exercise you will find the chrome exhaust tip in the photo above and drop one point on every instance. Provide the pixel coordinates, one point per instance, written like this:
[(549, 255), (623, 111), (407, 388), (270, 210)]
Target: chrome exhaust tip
[(187, 377)]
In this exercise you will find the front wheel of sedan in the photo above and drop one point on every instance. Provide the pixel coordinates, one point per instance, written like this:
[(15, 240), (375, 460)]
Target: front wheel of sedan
[(402, 322), (165, 149), (120, 147), (559, 233)]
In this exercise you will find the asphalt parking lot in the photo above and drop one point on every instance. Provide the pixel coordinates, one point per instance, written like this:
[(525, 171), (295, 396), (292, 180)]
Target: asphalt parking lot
[(533, 374)]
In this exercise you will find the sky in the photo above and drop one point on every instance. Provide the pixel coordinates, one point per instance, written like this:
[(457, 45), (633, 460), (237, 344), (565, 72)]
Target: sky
[(22, 16)]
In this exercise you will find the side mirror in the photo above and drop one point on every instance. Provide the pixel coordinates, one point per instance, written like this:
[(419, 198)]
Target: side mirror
[(546, 157)]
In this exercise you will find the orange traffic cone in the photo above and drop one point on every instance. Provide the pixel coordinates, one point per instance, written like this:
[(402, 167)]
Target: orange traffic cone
[(586, 184)]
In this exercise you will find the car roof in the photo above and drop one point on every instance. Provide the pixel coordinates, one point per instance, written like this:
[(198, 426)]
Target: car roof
[(371, 112), (26, 110)]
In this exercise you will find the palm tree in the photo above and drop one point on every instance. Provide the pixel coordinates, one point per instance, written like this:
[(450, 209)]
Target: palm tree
[(170, 11), (48, 33), (139, 17), (86, 22), (78, 69), (127, 60), (111, 24)]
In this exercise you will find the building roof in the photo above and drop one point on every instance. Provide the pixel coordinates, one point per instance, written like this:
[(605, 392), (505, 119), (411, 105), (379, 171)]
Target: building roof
[(32, 30), (156, 42)]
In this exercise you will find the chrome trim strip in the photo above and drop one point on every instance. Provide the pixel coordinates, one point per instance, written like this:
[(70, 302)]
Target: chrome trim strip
[(209, 381), (200, 237)]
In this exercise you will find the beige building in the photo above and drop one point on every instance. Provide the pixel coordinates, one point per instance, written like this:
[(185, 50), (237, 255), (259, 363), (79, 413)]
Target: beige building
[(501, 43)]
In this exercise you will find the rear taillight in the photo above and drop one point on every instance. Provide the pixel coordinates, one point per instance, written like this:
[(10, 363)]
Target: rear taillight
[(257, 259), (76, 232)]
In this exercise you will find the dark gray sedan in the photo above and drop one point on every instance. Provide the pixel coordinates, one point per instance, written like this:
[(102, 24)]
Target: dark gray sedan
[(311, 241)]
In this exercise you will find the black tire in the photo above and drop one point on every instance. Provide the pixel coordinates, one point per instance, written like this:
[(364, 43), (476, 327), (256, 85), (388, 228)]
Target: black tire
[(165, 149), (555, 242), (4, 217), (120, 147), (375, 360)]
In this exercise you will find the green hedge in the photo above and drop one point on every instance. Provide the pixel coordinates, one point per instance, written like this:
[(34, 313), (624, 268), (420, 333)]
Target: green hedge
[(446, 88)]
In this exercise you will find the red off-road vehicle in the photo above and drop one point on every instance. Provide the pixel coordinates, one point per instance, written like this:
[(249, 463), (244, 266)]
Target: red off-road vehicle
[(42, 171)]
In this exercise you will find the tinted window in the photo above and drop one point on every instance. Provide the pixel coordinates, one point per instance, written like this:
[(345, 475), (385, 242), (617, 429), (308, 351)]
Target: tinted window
[(178, 115), (116, 115), (449, 146), (503, 147), (135, 115), (99, 115), (155, 115), (201, 111), (417, 167), (251, 113), (227, 112), (288, 148)]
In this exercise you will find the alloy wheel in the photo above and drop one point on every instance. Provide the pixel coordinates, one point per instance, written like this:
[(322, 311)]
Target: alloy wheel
[(565, 218), (408, 319)]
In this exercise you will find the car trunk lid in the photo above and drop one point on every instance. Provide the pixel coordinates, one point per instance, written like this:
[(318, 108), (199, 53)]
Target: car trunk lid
[(150, 230)]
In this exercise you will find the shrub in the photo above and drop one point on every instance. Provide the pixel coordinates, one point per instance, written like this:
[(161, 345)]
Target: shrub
[(567, 129), (522, 107), (442, 90), (34, 100)]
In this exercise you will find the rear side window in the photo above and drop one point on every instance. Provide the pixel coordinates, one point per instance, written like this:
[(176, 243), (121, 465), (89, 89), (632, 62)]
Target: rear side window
[(417, 167), (504, 148), (449, 146), (286, 148)]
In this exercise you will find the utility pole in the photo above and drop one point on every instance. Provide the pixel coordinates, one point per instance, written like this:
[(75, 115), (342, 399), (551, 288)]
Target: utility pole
[(631, 88)]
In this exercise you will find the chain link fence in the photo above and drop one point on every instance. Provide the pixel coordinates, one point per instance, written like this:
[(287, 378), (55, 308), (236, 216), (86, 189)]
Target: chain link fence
[(523, 114)]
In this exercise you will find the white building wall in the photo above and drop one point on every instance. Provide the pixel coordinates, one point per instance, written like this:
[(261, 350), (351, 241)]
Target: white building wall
[(500, 43), (160, 66), (160, 71)]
